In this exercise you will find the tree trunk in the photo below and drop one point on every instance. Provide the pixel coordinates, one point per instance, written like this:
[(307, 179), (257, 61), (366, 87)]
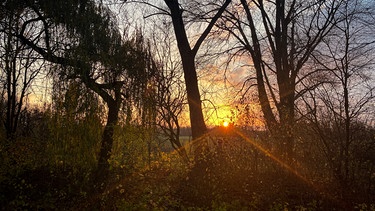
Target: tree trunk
[(280, 128), (198, 126), (10, 94), (286, 114), (106, 145)]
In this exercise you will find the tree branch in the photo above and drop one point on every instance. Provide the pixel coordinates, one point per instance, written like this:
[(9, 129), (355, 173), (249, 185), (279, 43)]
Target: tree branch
[(209, 27)]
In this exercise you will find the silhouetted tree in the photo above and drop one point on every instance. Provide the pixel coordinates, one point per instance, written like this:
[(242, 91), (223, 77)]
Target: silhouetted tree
[(169, 93), (19, 67), (83, 38), (188, 54), (339, 110), (279, 37)]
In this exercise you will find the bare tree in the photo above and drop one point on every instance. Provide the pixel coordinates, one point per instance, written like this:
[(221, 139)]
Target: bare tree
[(169, 94), (340, 110), (188, 52), (279, 37), (19, 67), (170, 100)]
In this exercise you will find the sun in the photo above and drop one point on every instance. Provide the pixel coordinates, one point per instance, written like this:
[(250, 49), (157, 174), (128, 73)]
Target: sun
[(225, 124)]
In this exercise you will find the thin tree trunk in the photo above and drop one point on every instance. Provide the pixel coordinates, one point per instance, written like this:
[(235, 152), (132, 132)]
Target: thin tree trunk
[(8, 69)]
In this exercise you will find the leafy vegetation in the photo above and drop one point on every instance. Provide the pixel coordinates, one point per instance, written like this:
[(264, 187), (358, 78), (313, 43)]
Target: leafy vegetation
[(46, 172)]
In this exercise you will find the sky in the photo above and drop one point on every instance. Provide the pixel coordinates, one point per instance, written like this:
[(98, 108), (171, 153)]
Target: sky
[(219, 84)]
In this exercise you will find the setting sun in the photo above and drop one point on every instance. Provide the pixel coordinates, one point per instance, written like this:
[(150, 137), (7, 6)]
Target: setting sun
[(225, 124)]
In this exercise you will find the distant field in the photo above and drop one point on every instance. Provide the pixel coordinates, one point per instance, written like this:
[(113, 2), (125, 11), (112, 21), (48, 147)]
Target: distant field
[(184, 139)]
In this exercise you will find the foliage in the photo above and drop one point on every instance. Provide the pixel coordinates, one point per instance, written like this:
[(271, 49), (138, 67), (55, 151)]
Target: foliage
[(234, 175), (36, 174)]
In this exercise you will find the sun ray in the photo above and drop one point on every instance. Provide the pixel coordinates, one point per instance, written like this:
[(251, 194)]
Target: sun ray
[(290, 169), (261, 149)]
